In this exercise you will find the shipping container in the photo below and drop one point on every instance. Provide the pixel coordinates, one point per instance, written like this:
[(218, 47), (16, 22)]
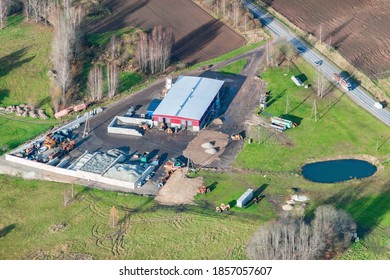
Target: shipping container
[(245, 198)]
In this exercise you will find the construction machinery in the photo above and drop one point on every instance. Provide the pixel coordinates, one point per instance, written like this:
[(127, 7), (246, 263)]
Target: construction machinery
[(49, 141), (170, 130), (203, 190), (222, 208), (341, 81), (145, 157), (237, 136), (144, 126), (68, 145), (257, 199), (162, 126)]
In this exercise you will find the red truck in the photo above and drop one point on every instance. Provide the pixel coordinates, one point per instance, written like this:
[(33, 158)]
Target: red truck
[(337, 78)]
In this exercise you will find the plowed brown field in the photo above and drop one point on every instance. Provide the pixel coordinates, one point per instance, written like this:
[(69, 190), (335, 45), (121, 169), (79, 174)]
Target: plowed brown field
[(198, 36), (359, 29)]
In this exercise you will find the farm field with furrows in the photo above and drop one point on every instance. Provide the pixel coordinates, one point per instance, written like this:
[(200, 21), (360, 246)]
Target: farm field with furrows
[(198, 36), (358, 29)]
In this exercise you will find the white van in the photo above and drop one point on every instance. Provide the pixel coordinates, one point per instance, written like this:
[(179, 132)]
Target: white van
[(378, 105)]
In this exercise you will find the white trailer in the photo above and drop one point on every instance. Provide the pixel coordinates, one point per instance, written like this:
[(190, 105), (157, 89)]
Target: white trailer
[(245, 198)]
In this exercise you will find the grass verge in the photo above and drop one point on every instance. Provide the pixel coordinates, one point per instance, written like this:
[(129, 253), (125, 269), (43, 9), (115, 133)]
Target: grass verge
[(235, 67)]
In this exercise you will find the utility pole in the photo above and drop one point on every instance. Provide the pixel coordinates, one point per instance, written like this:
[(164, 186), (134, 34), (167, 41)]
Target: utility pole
[(258, 134), (86, 127)]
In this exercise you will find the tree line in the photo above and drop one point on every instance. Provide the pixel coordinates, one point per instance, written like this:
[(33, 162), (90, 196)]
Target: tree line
[(329, 233), (147, 51), (233, 12)]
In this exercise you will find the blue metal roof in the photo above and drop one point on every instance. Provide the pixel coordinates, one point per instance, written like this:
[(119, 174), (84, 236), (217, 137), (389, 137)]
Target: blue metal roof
[(189, 97)]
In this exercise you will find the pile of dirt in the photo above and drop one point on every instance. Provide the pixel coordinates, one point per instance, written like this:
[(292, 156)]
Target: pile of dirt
[(206, 146), (179, 189)]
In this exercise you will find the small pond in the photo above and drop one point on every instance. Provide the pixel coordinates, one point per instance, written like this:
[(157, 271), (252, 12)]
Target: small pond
[(334, 171)]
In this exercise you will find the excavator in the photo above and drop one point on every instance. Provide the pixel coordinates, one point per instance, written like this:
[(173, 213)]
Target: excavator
[(49, 142)]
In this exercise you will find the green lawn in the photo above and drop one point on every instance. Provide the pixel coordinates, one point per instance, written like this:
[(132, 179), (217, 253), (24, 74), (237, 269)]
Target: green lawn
[(342, 128), (229, 55), (24, 63), (15, 131), (235, 67), (31, 208), (102, 39)]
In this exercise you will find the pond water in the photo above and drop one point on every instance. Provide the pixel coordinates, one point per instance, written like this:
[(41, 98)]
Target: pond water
[(333, 171)]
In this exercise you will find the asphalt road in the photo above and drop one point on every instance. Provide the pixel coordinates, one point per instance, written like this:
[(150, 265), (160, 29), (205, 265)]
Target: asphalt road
[(358, 94)]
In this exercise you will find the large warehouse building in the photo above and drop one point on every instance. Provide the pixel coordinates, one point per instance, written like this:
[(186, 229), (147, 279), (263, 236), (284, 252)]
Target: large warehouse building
[(189, 103)]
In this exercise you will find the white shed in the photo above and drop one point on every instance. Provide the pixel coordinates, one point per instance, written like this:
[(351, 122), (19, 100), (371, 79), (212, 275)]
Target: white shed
[(297, 81)]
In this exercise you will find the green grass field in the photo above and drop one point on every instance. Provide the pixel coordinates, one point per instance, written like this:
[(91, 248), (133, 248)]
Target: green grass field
[(235, 67), (31, 208), (229, 55), (16, 130), (24, 64), (342, 128)]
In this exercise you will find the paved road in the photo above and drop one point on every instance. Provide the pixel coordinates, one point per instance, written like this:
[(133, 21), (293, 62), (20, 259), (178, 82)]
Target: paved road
[(358, 94)]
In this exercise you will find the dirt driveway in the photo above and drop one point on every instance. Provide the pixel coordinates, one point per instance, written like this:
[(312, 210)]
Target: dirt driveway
[(179, 189)]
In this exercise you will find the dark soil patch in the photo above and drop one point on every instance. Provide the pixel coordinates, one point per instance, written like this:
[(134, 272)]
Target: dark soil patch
[(198, 36)]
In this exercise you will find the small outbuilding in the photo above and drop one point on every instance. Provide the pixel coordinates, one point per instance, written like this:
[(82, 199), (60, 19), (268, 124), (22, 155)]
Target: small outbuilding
[(297, 81)]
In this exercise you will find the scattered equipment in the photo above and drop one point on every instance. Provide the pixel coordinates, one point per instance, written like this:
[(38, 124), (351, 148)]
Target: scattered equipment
[(49, 142), (162, 126), (257, 199), (237, 137), (145, 157), (203, 190), (222, 208)]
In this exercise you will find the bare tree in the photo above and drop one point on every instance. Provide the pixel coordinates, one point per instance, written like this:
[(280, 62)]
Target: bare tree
[(283, 240), (4, 5), (329, 233), (55, 97), (236, 12), (142, 52), (112, 79), (288, 52), (332, 230), (95, 82), (113, 217), (113, 48), (154, 50), (64, 40)]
